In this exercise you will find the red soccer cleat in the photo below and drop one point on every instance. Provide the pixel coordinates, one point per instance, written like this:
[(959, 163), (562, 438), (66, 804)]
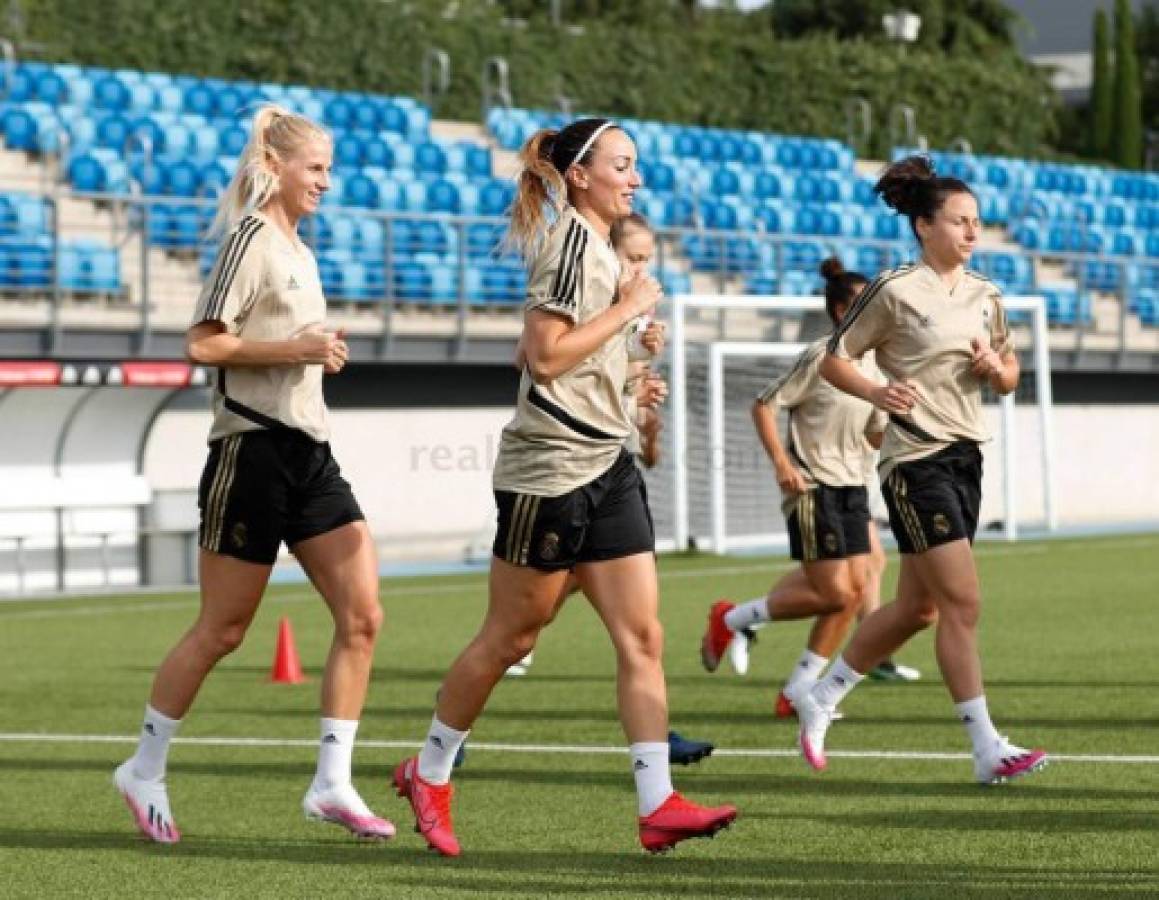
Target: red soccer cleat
[(717, 636), (431, 804), (785, 708), (676, 820)]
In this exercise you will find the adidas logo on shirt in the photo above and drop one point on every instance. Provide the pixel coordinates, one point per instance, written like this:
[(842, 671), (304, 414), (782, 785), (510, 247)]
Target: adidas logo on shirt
[(292, 284)]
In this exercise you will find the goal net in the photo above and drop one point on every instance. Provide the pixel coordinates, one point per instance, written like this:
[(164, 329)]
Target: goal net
[(715, 488)]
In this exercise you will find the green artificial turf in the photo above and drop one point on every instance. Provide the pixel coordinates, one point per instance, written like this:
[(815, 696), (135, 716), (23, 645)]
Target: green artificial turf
[(1068, 642)]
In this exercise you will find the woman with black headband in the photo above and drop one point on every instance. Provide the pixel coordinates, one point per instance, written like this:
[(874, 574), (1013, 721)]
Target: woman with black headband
[(569, 496)]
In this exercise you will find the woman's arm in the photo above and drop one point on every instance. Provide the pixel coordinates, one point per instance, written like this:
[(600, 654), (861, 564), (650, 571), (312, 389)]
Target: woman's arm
[(209, 344), (1000, 371), (650, 438), (789, 477), (554, 345), (895, 397)]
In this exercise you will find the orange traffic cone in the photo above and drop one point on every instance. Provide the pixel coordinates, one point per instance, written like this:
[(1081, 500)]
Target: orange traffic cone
[(287, 667)]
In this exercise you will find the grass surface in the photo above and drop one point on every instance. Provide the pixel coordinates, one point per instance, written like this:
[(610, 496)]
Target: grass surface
[(1068, 642)]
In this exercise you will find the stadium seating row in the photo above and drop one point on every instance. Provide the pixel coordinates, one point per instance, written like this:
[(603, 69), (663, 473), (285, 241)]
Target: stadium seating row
[(657, 140), (121, 91)]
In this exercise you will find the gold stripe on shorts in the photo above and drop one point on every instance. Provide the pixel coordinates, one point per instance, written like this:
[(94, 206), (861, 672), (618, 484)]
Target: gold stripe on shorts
[(525, 540), (806, 519), (909, 515), (216, 502), (513, 526), (519, 529)]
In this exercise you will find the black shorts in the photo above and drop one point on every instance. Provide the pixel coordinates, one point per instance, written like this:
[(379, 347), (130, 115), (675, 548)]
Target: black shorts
[(935, 500), (829, 523), (261, 488), (607, 518)]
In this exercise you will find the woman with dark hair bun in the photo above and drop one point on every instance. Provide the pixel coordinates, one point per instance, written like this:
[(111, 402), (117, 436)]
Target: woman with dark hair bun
[(939, 333), (832, 437), (570, 497)]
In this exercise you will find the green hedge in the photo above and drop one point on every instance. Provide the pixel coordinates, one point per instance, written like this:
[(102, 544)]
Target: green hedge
[(726, 69)]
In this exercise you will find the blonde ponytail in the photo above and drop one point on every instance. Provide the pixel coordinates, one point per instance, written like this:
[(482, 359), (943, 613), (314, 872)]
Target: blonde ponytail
[(275, 135)]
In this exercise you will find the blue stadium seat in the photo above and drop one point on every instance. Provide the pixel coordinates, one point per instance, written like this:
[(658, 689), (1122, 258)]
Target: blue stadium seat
[(87, 173), (201, 99), (430, 159), (377, 152), (360, 191), (231, 140), (110, 92), (49, 87), (20, 129), (479, 161), (412, 281), (495, 197), (442, 197)]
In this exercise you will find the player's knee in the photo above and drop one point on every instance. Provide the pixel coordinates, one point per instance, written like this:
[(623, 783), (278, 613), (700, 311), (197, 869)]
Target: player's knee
[(926, 615), (517, 647), (843, 598), (645, 642), (361, 625), (222, 640)]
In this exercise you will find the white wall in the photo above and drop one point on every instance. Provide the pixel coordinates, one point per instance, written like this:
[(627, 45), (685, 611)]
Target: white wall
[(423, 476)]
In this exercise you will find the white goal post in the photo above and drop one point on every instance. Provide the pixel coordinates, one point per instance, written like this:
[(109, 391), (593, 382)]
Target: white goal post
[(719, 352)]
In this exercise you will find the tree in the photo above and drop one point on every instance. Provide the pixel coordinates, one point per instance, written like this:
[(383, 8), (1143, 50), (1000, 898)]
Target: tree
[(958, 25), (1127, 127), (1102, 92), (1147, 42)]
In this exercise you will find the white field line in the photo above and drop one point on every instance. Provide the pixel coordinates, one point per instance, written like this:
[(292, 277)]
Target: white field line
[(389, 591), (573, 749)]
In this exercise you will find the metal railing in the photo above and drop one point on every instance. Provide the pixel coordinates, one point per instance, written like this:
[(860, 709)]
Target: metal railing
[(375, 263)]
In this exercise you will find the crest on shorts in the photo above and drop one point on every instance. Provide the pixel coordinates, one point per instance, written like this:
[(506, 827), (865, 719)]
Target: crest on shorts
[(831, 542), (238, 534), (941, 524), (549, 547)]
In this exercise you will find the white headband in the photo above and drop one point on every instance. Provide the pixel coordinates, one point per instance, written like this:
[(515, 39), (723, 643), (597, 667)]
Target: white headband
[(589, 142)]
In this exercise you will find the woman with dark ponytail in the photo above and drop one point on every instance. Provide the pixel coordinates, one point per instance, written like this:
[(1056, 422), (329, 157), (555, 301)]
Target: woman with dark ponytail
[(821, 474), (570, 497), (939, 333)]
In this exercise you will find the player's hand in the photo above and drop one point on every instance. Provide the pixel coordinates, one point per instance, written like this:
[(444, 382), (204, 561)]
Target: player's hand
[(339, 354), (986, 364), (652, 392), (895, 397), (315, 345), (639, 295), (652, 339), (790, 480)]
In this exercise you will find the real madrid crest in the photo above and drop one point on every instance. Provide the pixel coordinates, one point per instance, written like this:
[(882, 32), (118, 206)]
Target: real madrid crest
[(549, 547)]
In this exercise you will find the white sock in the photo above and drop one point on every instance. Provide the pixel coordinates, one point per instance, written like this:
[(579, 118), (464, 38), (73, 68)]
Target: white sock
[(806, 672), (653, 778), (746, 615), (437, 757), (838, 681), (335, 749), (153, 746), (976, 717)]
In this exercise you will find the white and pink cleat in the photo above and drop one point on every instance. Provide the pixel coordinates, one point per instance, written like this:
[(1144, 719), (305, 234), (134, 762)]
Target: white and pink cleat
[(341, 805), (148, 801), (1006, 761)]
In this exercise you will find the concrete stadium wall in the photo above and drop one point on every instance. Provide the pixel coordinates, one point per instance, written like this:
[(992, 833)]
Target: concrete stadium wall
[(423, 475)]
